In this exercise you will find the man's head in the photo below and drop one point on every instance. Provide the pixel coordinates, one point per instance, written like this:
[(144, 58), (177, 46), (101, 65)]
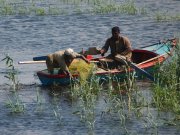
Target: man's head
[(69, 53), (115, 32)]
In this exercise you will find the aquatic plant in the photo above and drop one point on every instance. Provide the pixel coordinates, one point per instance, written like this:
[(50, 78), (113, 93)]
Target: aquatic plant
[(113, 7), (14, 102), (56, 108), (86, 95), (71, 6), (165, 16), (12, 73), (39, 101), (166, 92), (40, 11)]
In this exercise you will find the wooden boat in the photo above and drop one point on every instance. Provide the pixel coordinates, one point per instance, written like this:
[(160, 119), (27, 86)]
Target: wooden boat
[(145, 58)]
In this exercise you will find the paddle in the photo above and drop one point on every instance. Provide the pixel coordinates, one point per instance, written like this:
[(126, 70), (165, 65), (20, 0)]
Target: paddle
[(43, 61), (134, 66), (31, 62), (141, 71)]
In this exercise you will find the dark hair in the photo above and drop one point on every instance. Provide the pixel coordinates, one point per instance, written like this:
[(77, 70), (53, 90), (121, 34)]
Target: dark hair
[(115, 29)]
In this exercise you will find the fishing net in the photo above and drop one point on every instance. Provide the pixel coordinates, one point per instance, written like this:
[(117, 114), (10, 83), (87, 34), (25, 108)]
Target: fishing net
[(79, 66)]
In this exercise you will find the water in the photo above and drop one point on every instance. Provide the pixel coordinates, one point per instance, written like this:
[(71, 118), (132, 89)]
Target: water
[(24, 37)]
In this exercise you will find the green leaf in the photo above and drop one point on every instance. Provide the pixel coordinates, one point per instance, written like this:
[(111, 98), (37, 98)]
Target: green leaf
[(3, 59), (7, 76)]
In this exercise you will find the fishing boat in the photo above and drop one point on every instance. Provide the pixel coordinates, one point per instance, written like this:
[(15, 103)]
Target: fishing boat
[(144, 61)]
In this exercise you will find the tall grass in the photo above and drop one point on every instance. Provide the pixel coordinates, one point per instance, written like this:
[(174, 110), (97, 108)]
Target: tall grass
[(11, 72), (86, 95), (14, 102), (39, 101), (166, 93), (56, 108)]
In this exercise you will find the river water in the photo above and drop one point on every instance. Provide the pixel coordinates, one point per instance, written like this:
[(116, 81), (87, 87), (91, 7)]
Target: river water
[(26, 36)]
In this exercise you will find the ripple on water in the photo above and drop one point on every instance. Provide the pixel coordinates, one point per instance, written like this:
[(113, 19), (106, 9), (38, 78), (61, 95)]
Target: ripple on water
[(25, 37)]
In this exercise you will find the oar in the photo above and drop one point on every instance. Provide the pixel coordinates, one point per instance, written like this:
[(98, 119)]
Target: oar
[(43, 61), (134, 66), (141, 71), (39, 58), (93, 50), (31, 62)]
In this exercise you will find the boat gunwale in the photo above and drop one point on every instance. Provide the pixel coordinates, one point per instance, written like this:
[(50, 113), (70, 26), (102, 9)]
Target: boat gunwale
[(143, 66)]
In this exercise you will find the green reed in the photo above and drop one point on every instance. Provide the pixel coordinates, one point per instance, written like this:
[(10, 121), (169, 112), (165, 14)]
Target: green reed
[(166, 92), (165, 16), (39, 101), (118, 97), (73, 6), (12, 73), (86, 96), (54, 7), (57, 108), (122, 106), (14, 102), (128, 7)]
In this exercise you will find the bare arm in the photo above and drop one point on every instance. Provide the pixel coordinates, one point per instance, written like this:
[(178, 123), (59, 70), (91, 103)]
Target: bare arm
[(83, 58), (105, 48)]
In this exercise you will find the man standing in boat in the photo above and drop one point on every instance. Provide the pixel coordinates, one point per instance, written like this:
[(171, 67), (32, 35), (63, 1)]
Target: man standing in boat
[(120, 46), (62, 60)]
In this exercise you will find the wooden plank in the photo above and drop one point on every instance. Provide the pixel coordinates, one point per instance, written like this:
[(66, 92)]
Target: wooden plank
[(163, 55)]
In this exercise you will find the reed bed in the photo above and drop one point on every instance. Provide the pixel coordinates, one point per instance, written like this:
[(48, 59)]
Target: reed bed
[(121, 99), (59, 7), (64, 7), (166, 16), (166, 93)]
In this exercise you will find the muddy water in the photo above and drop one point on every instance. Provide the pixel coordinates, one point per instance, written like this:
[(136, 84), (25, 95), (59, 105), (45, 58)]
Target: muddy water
[(24, 37)]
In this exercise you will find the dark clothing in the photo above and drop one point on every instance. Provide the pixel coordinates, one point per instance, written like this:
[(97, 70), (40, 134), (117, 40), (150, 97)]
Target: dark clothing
[(120, 46)]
